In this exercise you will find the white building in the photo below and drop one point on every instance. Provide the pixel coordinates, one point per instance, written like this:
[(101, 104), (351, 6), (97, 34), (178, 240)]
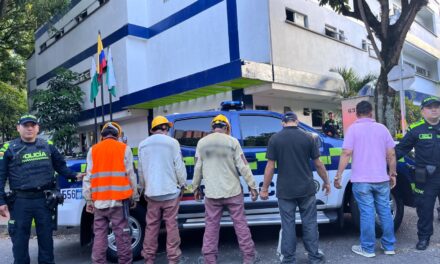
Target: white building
[(188, 55)]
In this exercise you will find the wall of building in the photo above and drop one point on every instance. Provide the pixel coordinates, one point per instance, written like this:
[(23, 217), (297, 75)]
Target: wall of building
[(83, 36), (308, 49), (277, 104), (197, 44), (253, 30)]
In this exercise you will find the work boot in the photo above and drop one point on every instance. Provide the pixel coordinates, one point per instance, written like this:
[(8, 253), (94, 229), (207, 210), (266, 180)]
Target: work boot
[(422, 244)]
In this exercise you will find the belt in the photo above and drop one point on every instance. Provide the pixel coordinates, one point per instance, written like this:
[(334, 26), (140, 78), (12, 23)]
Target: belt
[(30, 194)]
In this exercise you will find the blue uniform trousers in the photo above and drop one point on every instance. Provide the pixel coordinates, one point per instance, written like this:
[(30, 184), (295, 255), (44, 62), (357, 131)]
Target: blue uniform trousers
[(19, 227)]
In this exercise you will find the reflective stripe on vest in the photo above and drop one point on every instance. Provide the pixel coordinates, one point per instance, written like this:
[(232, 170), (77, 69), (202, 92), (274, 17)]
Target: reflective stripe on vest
[(109, 180)]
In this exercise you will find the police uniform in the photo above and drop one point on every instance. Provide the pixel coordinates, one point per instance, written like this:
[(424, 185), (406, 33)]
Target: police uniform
[(30, 169), (425, 139), (331, 126)]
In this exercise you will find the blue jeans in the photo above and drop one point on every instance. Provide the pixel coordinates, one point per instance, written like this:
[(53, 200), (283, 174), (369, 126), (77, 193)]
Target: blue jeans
[(372, 198), (307, 210)]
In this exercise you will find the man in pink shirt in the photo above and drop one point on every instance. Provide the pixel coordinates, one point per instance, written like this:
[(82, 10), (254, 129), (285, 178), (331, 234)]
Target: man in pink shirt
[(371, 148)]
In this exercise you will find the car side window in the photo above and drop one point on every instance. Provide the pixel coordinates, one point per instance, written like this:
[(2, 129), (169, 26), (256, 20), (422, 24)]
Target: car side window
[(257, 130), (189, 131)]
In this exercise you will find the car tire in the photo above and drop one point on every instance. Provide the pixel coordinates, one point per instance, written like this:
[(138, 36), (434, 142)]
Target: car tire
[(137, 232), (397, 213)]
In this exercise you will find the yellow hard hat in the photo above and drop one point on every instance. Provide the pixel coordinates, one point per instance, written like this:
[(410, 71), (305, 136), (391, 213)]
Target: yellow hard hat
[(160, 120), (221, 119), (113, 125)]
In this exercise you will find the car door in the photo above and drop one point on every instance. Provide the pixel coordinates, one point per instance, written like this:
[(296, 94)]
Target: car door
[(255, 132)]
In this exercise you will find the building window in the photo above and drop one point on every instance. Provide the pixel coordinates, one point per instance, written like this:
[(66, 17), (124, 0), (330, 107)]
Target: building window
[(331, 31), (419, 70), (297, 18), (58, 34), (43, 47), (342, 35), (317, 119), (81, 16), (364, 44), (261, 107), (423, 72)]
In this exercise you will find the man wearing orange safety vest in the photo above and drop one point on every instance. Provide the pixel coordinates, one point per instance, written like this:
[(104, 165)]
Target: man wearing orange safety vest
[(109, 188)]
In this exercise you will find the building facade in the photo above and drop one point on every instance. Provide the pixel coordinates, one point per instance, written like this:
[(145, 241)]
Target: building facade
[(189, 55)]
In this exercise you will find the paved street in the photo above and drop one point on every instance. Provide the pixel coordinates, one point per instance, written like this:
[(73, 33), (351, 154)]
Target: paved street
[(336, 245)]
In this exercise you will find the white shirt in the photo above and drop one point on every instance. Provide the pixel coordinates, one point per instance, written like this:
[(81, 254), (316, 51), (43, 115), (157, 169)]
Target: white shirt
[(161, 168)]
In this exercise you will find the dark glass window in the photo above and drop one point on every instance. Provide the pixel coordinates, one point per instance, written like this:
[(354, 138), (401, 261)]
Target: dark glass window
[(256, 130), (189, 131)]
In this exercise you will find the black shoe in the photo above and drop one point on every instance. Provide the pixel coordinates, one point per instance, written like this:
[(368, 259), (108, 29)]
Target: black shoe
[(422, 244)]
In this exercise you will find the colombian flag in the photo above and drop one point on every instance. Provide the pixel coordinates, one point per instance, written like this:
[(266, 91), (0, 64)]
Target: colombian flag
[(102, 63)]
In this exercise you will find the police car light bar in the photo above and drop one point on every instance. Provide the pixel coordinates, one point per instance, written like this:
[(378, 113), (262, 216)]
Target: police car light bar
[(231, 105)]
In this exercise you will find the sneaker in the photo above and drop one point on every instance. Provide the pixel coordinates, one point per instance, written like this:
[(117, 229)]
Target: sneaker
[(256, 259), (388, 252), (360, 251), (183, 260)]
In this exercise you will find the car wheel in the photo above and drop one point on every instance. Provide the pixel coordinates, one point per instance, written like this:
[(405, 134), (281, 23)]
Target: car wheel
[(397, 211), (136, 223)]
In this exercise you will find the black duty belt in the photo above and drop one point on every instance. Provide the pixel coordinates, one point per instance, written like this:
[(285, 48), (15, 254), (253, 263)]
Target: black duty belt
[(30, 194)]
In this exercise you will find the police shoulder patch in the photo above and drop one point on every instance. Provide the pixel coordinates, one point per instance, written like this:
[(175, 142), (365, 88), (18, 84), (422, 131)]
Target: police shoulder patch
[(416, 124), (4, 147)]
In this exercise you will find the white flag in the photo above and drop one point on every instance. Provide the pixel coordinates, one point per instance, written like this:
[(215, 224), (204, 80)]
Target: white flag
[(111, 80)]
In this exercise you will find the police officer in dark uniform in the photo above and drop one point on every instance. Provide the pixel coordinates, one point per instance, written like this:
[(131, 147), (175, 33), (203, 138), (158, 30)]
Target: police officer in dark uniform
[(29, 164), (331, 127), (424, 136)]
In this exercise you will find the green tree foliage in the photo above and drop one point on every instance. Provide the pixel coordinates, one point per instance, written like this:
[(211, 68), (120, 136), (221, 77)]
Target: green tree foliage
[(19, 19), (59, 108), (413, 112), (353, 82), (12, 104), (391, 32)]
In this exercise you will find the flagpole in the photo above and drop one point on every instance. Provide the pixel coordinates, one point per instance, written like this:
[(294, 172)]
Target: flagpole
[(102, 100), (95, 131), (110, 99)]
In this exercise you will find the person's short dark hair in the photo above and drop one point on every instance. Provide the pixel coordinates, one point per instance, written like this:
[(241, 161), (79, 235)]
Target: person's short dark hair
[(330, 113), (364, 108), (163, 127), (219, 125), (289, 116), (109, 131)]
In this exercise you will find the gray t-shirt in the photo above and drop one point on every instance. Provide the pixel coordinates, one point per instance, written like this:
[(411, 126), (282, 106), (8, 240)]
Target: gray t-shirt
[(293, 149)]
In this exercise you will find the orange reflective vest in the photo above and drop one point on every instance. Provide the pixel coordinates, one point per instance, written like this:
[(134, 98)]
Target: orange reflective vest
[(109, 179)]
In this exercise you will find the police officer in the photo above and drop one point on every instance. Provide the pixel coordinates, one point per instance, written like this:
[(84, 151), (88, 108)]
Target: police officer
[(424, 136), (29, 164), (331, 127)]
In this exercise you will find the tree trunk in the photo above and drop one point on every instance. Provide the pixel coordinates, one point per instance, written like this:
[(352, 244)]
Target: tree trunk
[(384, 101)]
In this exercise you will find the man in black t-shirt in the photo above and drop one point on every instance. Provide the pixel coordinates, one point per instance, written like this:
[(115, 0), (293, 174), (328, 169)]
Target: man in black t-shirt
[(292, 149)]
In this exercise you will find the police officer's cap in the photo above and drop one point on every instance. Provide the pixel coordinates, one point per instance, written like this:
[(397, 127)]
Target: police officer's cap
[(430, 100), (27, 118)]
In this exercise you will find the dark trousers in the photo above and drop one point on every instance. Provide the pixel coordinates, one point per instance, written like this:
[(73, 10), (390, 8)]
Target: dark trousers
[(425, 203), (307, 210), (19, 227)]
